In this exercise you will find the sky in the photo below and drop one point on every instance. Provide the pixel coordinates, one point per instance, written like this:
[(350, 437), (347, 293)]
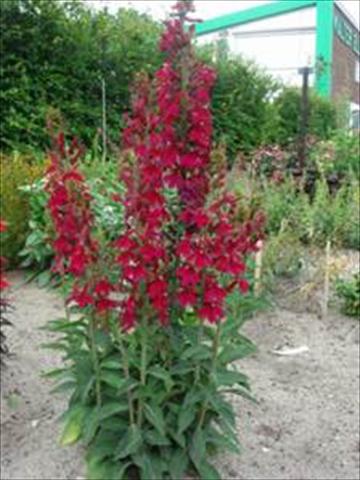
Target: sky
[(205, 9)]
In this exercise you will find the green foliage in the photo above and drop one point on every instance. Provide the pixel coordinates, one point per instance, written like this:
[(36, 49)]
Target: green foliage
[(340, 155), (333, 217), (104, 187), (282, 255), (37, 250), (153, 403), (240, 103), (284, 123), (16, 171), (54, 55), (349, 292), (327, 216)]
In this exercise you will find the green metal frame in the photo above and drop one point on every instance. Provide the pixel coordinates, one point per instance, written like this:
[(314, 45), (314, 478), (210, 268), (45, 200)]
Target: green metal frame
[(324, 31), (324, 46)]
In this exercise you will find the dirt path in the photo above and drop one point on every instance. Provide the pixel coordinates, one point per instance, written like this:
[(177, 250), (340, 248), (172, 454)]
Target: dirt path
[(306, 426)]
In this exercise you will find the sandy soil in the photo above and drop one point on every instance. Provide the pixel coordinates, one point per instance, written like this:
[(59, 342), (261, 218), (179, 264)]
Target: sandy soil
[(306, 426)]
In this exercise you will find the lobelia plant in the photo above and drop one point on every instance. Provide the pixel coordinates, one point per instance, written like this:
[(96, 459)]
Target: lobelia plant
[(149, 354)]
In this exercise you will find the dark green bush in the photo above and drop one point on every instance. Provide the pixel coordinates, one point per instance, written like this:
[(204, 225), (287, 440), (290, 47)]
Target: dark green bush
[(240, 104), (54, 55), (285, 123)]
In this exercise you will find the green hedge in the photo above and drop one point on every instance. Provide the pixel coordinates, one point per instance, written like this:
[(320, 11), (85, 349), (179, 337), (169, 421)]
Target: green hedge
[(284, 124), (54, 55)]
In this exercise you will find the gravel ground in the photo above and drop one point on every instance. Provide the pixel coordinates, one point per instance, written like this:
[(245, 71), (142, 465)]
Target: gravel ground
[(305, 427)]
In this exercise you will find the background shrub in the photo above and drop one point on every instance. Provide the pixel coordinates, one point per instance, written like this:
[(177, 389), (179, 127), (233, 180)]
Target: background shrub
[(16, 170), (284, 125), (313, 221), (240, 104), (54, 55), (338, 156), (349, 292)]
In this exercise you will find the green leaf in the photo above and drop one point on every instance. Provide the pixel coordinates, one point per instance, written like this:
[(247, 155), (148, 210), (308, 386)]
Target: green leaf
[(56, 372), (154, 415), (115, 424), (236, 352), (103, 445), (162, 374), (91, 425), (111, 409), (208, 472), (112, 379), (153, 437), (229, 378), (186, 417), (64, 325), (178, 437), (222, 441), (64, 387), (44, 278), (228, 429), (102, 340), (112, 365), (193, 396), (178, 464), (223, 408), (73, 427), (197, 352), (151, 469), (198, 448), (87, 389), (129, 444), (98, 469), (242, 393)]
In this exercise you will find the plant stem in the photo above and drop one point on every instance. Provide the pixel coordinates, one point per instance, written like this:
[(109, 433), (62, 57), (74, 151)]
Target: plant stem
[(197, 368), (126, 373), (95, 359), (216, 342), (66, 308), (142, 372)]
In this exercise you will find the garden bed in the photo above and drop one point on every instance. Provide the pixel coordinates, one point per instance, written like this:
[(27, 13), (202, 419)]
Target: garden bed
[(304, 427)]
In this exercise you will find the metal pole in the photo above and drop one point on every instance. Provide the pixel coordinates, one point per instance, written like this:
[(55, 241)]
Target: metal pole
[(304, 117)]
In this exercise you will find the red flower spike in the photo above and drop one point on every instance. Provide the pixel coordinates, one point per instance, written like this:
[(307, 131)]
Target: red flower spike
[(187, 298), (169, 135), (244, 285), (103, 287)]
